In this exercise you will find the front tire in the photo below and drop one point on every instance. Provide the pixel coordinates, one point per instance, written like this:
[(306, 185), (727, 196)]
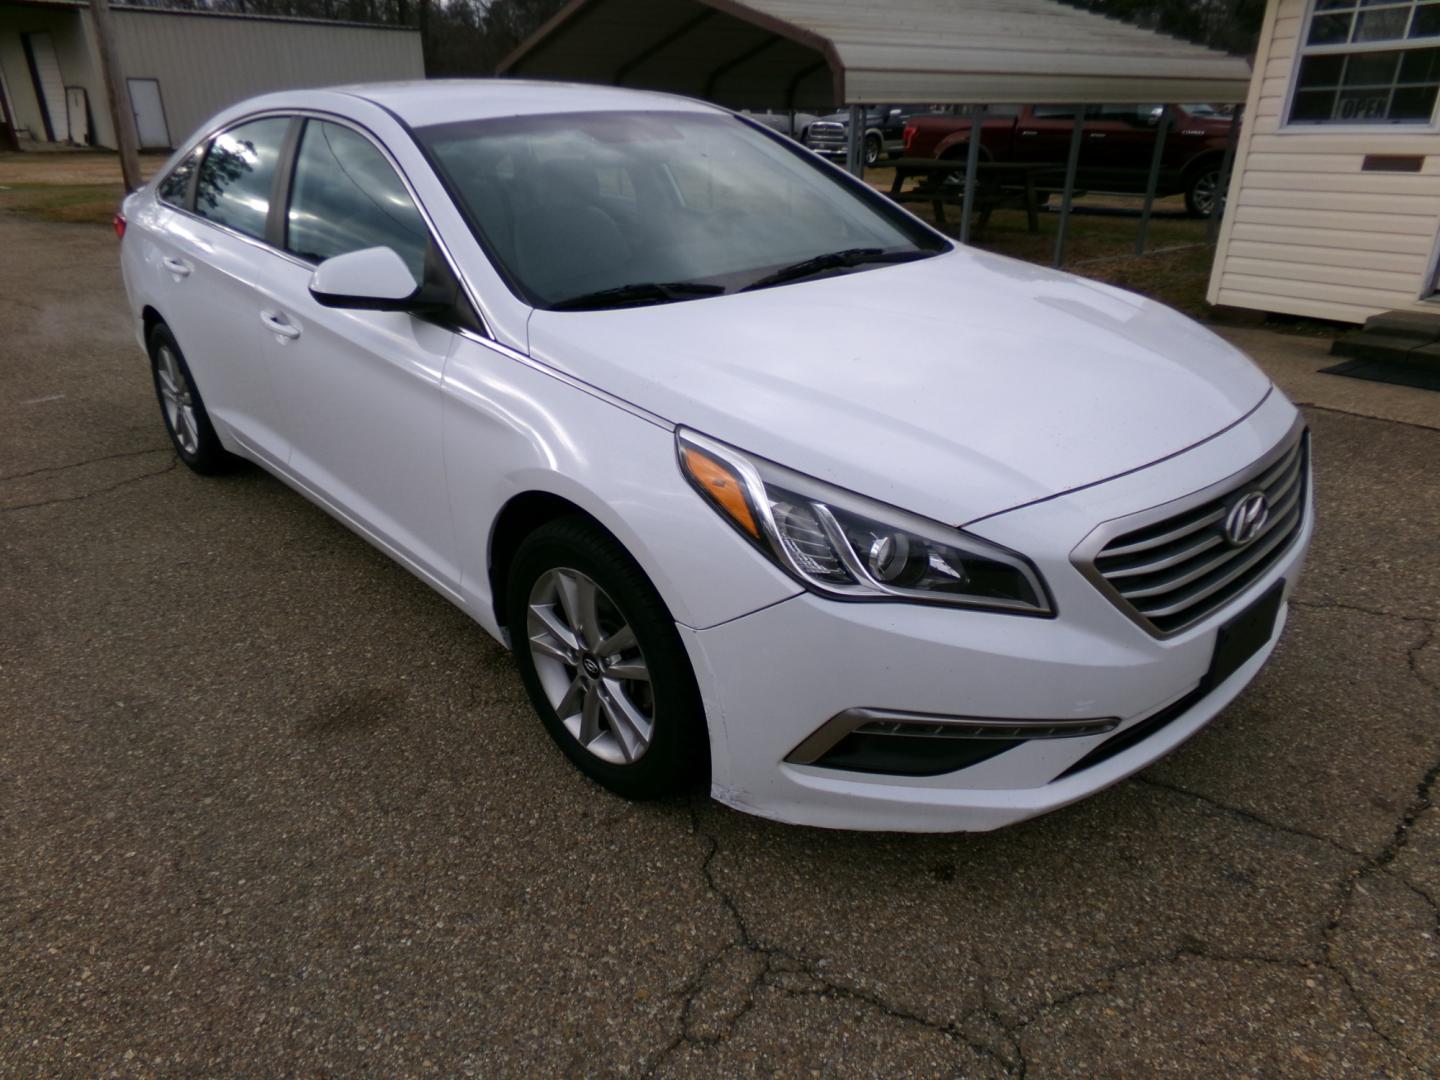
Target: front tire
[(602, 662), (182, 408)]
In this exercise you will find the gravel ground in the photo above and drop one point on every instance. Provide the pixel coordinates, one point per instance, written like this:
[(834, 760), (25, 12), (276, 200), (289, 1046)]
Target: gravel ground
[(270, 807)]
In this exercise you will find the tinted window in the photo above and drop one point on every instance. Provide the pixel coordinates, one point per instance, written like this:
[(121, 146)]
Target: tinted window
[(346, 197), (234, 185), (175, 187)]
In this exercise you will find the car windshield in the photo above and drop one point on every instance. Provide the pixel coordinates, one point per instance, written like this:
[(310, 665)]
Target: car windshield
[(604, 209)]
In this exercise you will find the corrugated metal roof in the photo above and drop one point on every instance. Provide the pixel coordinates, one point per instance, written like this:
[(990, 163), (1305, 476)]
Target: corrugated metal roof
[(820, 52)]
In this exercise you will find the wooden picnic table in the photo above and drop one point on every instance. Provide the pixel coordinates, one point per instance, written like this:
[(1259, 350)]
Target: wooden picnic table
[(995, 182)]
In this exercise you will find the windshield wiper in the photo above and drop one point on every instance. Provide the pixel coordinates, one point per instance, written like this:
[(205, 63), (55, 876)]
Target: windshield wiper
[(833, 260), (639, 292)]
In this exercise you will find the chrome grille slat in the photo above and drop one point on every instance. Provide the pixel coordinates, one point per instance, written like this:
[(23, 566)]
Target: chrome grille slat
[(1185, 554), (1170, 572), (1277, 517), (1195, 597), (1165, 538)]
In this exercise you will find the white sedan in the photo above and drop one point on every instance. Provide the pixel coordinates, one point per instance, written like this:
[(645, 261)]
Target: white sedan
[(766, 484)]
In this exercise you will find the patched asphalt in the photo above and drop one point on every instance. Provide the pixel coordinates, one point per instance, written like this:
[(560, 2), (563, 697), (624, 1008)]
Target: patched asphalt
[(268, 806)]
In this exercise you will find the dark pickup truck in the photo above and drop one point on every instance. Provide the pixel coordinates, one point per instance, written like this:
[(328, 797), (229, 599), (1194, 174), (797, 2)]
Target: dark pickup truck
[(1119, 141), (884, 131)]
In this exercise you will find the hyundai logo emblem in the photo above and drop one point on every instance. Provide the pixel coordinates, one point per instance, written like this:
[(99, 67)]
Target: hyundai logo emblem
[(1246, 518), (591, 666)]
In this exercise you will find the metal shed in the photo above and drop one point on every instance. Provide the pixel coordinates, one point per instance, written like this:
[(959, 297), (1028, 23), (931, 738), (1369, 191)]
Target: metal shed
[(811, 53), (814, 53), (180, 66)]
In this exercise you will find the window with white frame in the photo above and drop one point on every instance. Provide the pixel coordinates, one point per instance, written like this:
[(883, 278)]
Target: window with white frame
[(1368, 62)]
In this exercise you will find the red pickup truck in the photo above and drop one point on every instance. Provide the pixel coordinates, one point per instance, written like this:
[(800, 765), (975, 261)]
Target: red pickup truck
[(1119, 141)]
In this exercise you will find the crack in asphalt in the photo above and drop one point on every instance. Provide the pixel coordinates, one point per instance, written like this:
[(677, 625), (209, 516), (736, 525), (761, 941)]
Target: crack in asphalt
[(1337, 605), (80, 464), (776, 961), (1248, 815), (1364, 416), (91, 494)]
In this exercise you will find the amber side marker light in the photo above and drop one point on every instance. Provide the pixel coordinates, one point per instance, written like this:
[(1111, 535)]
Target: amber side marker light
[(721, 486)]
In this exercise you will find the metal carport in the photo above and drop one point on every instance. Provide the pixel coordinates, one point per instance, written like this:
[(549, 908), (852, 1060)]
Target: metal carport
[(815, 53)]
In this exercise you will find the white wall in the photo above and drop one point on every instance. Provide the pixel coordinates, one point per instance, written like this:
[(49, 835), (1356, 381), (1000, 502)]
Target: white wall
[(71, 51), (205, 63), (1307, 231)]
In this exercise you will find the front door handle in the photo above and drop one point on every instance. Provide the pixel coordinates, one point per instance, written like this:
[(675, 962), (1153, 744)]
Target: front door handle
[(1097, 134), (176, 266), (278, 324)]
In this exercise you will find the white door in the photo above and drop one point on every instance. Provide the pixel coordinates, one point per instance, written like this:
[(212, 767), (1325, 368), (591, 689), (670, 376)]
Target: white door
[(149, 110), (49, 85), (77, 111), (339, 374)]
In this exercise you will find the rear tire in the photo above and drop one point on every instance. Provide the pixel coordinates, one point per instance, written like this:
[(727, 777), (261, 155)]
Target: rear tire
[(1201, 189), (603, 664), (182, 408), (874, 151)]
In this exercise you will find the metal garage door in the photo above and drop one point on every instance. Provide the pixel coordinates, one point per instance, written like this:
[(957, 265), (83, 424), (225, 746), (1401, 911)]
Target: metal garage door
[(49, 86)]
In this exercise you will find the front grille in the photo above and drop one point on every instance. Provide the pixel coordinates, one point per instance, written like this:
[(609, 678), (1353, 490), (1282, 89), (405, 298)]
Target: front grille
[(1171, 572), (829, 134)]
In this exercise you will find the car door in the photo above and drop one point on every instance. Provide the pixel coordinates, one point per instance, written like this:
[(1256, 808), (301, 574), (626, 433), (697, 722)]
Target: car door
[(360, 390), (1042, 134), (1122, 140), (211, 257)]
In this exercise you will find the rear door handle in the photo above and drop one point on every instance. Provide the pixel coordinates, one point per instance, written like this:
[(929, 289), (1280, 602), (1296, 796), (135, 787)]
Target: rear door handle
[(278, 324), (176, 266)]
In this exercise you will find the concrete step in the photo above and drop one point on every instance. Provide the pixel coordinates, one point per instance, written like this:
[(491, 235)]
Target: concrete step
[(1396, 337)]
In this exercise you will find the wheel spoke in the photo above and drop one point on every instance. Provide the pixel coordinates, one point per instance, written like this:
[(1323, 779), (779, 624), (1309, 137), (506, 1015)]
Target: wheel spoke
[(551, 625), (570, 703), (634, 670), (618, 642), (577, 597), (192, 431), (590, 717), (631, 727)]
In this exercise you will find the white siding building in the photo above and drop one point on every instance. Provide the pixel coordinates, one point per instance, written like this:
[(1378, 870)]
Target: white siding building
[(1334, 205), (180, 66)]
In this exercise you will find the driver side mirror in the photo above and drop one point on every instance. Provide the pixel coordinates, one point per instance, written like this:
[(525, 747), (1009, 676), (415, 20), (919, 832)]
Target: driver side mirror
[(375, 279)]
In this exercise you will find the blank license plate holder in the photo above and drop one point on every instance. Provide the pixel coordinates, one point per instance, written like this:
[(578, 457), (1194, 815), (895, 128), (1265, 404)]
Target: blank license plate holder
[(1244, 635)]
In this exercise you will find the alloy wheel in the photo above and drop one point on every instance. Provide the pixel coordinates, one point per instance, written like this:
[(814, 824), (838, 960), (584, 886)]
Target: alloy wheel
[(590, 666), (1204, 192), (178, 402)]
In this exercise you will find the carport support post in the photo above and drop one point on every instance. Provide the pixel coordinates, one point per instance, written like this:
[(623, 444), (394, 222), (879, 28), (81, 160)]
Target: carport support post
[(972, 166), (1072, 165), (122, 119), (1222, 188), (1162, 128), (855, 142)]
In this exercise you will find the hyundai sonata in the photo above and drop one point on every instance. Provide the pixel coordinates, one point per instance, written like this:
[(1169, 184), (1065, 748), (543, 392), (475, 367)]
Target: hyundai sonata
[(765, 483)]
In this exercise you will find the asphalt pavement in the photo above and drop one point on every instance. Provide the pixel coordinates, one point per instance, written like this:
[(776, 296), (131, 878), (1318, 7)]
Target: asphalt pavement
[(269, 807)]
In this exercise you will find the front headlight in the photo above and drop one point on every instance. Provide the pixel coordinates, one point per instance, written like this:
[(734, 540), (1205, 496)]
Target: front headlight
[(844, 545)]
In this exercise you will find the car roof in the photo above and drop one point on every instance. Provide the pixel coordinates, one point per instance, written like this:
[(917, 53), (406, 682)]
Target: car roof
[(441, 101)]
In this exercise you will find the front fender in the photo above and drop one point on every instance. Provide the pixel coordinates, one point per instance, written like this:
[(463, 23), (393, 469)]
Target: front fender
[(513, 426)]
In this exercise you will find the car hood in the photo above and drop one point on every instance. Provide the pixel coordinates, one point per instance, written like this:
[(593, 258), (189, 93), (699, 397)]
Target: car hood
[(956, 386)]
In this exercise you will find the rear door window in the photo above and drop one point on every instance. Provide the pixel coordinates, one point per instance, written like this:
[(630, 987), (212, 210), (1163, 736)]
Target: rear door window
[(238, 173), (175, 188), (347, 197)]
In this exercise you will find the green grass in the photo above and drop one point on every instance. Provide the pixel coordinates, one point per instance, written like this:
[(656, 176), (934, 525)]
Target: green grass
[(86, 203)]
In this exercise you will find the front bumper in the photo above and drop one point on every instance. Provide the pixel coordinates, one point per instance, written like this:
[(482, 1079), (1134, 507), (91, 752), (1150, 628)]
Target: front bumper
[(771, 679)]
